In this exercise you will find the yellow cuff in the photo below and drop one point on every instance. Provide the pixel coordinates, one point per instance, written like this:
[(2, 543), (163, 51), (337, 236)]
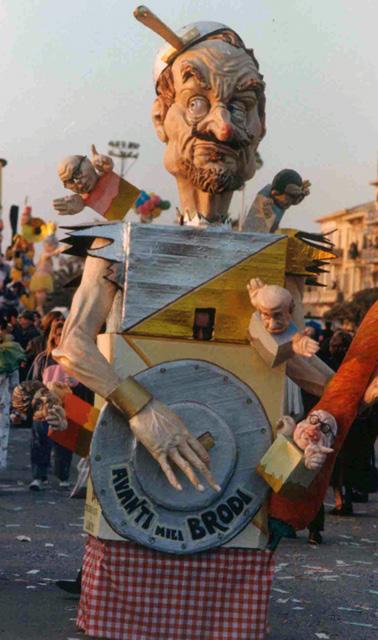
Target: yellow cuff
[(130, 397)]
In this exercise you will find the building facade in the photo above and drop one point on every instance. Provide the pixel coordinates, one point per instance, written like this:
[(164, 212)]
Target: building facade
[(355, 235)]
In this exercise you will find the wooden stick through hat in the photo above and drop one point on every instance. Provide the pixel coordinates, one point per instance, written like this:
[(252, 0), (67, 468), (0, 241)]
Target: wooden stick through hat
[(146, 17)]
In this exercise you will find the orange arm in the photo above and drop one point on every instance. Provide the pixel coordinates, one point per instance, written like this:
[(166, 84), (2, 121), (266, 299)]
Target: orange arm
[(341, 398)]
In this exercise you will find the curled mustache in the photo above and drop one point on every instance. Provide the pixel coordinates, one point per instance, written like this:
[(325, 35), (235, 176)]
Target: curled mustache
[(239, 140)]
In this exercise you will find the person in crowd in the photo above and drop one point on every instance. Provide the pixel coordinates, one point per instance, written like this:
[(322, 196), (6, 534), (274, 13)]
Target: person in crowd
[(355, 474), (326, 333), (37, 320), (23, 331), (11, 295), (11, 315), (47, 370), (39, 343), (11, 355)]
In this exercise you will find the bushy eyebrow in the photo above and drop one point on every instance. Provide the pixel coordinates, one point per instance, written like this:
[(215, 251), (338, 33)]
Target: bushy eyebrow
[(190, 70), (251, 83)]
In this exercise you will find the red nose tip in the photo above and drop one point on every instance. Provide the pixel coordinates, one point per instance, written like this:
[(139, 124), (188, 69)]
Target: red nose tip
[(313, 434), (225, 131)]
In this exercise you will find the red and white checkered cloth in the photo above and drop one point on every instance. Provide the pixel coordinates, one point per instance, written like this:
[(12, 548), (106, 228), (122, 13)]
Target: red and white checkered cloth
[(133, 593)]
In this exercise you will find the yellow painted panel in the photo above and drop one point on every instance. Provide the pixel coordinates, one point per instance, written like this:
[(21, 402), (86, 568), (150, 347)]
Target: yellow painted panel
[(241, 360), (301, 255), (227, 293), (123, 201), (125, 360)]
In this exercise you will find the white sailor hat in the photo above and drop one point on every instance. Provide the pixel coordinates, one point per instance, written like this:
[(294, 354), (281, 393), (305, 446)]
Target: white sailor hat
[(190, 35), (176, 42)]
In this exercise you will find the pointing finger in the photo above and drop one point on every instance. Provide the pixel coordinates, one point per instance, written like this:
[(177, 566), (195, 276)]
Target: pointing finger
[(94, 150)]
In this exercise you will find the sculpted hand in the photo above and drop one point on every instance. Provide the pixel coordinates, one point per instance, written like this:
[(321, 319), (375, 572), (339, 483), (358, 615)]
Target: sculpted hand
[(286, 426), (303, 345), (297, 193), (102, 163), (56, 417), (167, 439), (69, 205), (254, 285), (315, 456)]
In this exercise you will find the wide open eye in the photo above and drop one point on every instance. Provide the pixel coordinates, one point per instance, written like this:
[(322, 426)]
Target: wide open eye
[(198, 107)]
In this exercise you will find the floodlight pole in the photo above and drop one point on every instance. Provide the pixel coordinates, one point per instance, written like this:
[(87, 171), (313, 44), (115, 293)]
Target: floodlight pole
[(3, 163), (124, 151)]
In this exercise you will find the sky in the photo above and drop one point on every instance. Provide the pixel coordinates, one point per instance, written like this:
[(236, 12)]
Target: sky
[(79, 72)]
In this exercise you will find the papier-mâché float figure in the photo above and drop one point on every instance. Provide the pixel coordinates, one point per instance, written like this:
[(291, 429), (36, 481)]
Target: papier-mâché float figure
[(42, 281), (191, 404), (95, 185)]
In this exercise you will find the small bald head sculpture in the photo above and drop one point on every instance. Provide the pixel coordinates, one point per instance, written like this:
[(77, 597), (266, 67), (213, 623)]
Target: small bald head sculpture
[(275, 305), (78, 174)]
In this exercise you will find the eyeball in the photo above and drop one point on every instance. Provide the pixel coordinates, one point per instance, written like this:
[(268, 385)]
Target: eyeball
[(198, 107)]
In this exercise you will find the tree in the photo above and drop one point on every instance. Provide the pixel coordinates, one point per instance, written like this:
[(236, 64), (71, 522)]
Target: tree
[(354, 310)]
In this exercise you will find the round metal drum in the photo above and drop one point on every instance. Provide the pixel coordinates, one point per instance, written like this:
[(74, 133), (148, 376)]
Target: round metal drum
[(135, 496)]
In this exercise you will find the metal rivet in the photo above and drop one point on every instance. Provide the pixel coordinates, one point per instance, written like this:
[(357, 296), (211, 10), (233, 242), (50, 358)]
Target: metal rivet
[(220, 536), (249, 401), (124, 523), (103, 492), (162, 370), (183, 546), (263, 430), (98, 457), (247, 512), (151, 539), (225, 379), (196, 366)]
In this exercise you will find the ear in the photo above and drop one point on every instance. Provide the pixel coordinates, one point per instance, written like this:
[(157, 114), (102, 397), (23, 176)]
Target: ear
[(159, 111)]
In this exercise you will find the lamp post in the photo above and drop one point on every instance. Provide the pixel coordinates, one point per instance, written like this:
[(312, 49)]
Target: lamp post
[(125, 151), (3, 163)]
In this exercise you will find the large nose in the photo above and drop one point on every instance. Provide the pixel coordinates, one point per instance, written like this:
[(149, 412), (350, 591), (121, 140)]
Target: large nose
[(313, 433), (218, 122)]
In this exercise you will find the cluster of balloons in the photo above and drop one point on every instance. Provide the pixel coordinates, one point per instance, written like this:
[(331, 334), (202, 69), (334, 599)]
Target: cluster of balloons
[(149, 206)]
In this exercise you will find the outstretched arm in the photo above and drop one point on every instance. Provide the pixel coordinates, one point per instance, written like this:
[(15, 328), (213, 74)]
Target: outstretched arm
[(91, 305)]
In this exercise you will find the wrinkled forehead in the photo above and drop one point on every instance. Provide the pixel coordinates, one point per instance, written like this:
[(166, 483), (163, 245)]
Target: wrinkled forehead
[(274, 298), (67, 166), (215, 65), (272, 310)]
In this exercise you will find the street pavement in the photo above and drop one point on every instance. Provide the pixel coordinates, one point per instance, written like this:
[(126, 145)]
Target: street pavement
[(326, 593)]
